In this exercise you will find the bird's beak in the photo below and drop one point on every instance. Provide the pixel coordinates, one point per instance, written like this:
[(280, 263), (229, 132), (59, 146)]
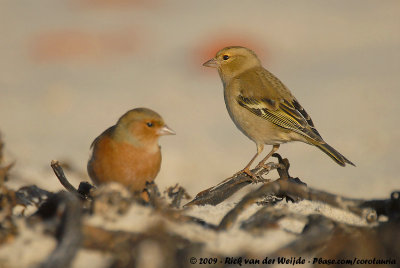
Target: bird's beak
[(165, 130), (211, 63)]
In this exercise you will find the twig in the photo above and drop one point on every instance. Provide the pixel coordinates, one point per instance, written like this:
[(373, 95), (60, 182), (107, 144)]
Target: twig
[(98, 238), (55, 165), (177, 193), (4, 172), (1, 148), (8, 228), (315, 235), (287, 187), (114, 241), (327, 239), (31, 195), (125, 246), (6, 168), (266, 217), (388, 207), (247, 200), (293, 189), (84, 187), (219, 193), (69, 233)]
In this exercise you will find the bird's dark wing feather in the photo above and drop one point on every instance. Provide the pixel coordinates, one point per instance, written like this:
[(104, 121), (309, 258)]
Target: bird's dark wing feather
[(288, 115), (106, 132)]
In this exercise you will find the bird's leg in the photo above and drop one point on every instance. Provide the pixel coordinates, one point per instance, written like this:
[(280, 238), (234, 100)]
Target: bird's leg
[(262, 162), (246, 169)]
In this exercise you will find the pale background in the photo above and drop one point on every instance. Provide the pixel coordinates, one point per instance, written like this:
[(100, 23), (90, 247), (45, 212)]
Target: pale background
[(69, 69)]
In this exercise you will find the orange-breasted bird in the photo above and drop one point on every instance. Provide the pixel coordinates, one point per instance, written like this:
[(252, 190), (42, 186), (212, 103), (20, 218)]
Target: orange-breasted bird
[(262, 107), (128, 152)]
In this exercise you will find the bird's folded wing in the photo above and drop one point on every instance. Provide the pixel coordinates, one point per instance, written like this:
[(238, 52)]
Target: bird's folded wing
[(285, 114), (106, 132)]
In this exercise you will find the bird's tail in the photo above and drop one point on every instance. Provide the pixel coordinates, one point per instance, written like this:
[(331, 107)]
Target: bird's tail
[(335, 155)]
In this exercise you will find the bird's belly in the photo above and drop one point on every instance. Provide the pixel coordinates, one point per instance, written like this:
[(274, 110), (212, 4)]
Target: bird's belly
[(256, 128), (129, 167)]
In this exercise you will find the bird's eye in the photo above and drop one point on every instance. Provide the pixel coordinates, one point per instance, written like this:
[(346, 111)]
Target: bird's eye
[(149, 124), (225, 57)]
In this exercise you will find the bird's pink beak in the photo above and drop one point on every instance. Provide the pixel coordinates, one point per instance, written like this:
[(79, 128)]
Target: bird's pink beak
[(165, 130), (211, 63)]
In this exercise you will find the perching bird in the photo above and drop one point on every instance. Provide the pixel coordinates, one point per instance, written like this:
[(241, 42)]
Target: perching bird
[(128, 152), (262, 107)]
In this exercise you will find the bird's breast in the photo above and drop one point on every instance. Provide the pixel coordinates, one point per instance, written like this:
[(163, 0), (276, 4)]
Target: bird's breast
[(124, 163)]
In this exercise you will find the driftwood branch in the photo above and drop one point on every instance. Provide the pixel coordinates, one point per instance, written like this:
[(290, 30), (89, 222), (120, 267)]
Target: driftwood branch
[(63, 213), (125, 246), (316, 233), (267, 217), (225, 189), (222, 191), (326, 238), (295, 189), (68, 233), (286, 187)]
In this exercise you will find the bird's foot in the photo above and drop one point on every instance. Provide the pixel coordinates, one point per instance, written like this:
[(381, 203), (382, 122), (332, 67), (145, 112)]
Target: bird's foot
[(247, 171), (262, 165)]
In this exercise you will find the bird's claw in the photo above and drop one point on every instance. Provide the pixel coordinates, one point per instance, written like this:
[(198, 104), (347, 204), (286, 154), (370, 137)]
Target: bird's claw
[(247, 171), (262, 166)]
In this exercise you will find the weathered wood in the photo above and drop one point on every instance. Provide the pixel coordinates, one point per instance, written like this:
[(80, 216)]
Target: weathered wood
[(225, 189), (69, 231), (82, 192)]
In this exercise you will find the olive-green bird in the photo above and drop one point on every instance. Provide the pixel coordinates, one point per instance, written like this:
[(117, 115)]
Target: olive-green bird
[(262, 107)]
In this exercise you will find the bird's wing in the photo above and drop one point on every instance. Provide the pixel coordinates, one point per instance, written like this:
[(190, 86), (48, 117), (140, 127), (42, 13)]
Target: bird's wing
[(106, 132), (283, 113), (266, 96)]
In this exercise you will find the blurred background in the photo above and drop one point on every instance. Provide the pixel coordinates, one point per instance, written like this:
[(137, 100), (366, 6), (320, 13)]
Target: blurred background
[(69, 69)]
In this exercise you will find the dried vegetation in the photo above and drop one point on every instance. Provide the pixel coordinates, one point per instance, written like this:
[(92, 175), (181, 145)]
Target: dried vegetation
[(67, 217)]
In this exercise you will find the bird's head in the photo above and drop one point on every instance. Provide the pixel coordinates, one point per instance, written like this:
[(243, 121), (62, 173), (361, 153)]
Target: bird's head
[(141, 126), (231, 61)]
